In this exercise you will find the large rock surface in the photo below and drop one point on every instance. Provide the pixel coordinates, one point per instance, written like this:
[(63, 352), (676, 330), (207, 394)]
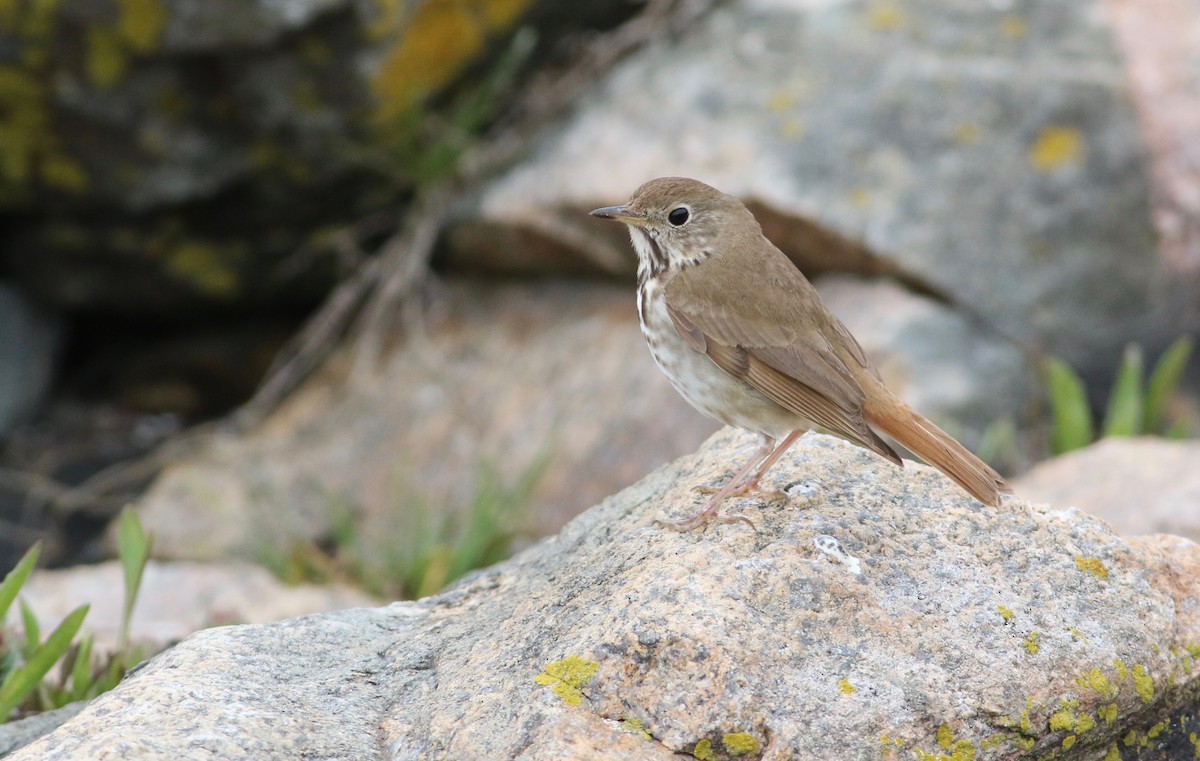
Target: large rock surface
[(552, 380), (29, 342), (176, 599), (877, 613), (948, 367), (988, 150), (1139, 486)]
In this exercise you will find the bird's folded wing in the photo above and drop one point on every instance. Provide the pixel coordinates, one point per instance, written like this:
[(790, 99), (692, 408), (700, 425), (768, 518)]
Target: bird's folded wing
[(774, 372)]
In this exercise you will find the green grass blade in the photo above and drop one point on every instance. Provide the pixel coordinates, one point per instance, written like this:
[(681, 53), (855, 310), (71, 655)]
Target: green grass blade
[(15, 579), (1072, 426), (81, 671), (1164, 382), (33, 630), (1124, 416), (133, 548), (26, 679)]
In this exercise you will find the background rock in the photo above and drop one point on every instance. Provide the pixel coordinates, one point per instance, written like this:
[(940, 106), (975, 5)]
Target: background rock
[(520, 379), (1159, 42), (1139, 486), (30, 339), (971, 632), (952, 370), (989, 152), (166, 156), (176, 599)]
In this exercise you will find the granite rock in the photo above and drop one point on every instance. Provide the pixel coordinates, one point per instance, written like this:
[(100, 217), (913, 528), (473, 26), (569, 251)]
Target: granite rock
[(989, 152), (875, 613), (1139, 486)]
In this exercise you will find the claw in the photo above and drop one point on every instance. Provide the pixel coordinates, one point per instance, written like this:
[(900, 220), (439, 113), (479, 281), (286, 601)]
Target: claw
[(705, 516)]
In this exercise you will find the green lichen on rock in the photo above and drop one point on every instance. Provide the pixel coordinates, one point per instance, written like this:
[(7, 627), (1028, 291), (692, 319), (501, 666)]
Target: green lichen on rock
[(704, 750), (634, 727), (434, 43), (1143, 684), (568, 677), (1031, 643), (739, 743), (206, 266), (137, 30), (31, 152), (1094, 566)]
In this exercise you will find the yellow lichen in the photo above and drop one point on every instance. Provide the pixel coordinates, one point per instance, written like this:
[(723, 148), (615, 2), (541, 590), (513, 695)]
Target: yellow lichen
[(1005, 612), (64, 173), (1025, 724), (141, 23), (106, 60), (568, 677), (781, 101), (1108, 713), (1094, 566), (634, 726), (1068, 741), (1143, 683), (1122, 670), (1085, 723), (1113, 754), (434, 46), (1130, 739), (1097, 680), (845, 687), (886, 17), (1031, 643), (966, 134), (1157, 729), (739, 743), (1056, 147), (1013, 27), (1062, 720), (704, 750), (203, 265), (860, 197), (945, 736)]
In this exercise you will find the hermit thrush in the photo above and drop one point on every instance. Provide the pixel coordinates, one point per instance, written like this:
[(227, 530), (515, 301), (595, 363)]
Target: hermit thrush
[(743, 336)]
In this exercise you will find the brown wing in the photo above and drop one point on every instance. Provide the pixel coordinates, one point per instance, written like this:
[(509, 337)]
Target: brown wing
[(760, 320)]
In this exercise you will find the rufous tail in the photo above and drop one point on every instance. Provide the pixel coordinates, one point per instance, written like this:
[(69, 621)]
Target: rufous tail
[(936, 447)]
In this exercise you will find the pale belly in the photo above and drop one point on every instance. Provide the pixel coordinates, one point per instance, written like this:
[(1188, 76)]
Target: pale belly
[(707, 387)]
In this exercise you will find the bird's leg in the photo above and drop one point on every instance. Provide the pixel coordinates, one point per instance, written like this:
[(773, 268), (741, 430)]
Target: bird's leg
[(753, 482), (710, 510)]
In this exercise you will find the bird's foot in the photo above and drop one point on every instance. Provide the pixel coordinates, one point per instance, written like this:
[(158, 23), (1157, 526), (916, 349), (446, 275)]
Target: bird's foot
[(704, 517), (750, 487)]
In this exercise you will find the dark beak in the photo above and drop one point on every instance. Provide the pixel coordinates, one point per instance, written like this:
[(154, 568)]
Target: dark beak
[(620, 214)]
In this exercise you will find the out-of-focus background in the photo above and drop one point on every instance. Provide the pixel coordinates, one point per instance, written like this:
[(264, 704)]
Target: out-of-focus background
[(311, 285)]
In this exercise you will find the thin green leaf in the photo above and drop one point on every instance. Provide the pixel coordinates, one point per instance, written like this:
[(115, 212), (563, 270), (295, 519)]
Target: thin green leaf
[(33, 631), (1072, 426), (1164, 382), (15, 579), (133, 548), (27, 678), (1124, 416), (81, 673)]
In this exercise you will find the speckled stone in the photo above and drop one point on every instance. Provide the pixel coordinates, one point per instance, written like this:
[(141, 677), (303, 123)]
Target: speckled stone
[(968, 633), (989, 149)]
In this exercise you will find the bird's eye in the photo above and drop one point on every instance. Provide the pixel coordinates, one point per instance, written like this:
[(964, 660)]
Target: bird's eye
[(678, 216)]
